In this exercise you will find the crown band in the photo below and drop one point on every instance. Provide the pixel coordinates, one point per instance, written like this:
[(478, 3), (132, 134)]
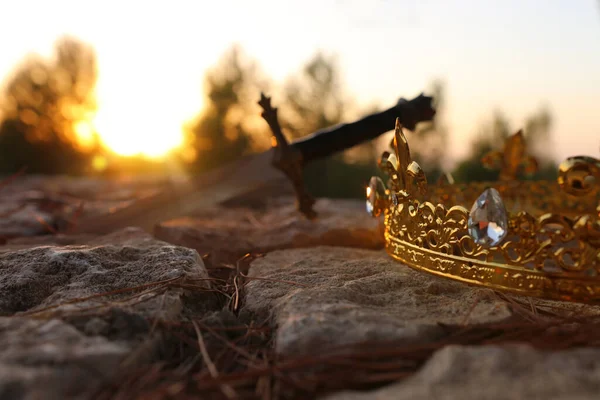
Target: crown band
[(493, 275), (546, 245)]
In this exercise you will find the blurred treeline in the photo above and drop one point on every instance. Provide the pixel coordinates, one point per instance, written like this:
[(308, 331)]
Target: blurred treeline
[(47, 105)]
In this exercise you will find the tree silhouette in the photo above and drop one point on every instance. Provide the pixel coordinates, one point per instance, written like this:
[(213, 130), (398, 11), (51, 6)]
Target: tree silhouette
[(315, 99), (47, 106), (223, 131)]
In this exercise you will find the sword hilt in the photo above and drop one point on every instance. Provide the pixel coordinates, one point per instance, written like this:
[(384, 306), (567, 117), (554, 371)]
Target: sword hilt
[(291, 157), (287, 159)]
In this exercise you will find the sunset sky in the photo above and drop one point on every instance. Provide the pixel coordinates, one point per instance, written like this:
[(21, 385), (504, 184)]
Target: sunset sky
[(511, 55)]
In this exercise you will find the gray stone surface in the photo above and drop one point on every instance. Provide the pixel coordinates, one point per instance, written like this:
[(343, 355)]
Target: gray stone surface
[(496, 373), (229, 233), (52, 360), (49, 358), (331, 296), (44, 276), (322, 284), (60, 239)]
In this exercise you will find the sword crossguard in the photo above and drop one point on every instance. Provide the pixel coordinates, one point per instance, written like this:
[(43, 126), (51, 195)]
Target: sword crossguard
[(287, 159)]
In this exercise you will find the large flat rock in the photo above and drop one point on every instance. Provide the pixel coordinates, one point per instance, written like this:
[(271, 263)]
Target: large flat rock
[(324, 297), (496, 373), (228, 233), (102, 322), (49, 275)]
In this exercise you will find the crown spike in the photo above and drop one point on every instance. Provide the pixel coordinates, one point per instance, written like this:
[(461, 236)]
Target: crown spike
[(512, 159), (403, 171), (402, 151)]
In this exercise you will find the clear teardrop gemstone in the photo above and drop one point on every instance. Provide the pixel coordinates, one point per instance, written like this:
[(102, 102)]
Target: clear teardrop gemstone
[(488, 219), (375, 193)]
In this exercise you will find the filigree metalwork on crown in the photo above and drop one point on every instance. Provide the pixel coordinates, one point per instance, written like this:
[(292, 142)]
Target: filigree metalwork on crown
[(552, 245)]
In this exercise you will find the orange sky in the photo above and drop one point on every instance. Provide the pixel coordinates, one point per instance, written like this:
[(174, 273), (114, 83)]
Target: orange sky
[(509, 55)]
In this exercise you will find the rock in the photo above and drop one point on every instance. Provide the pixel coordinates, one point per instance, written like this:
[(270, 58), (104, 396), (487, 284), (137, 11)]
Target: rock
[(229, 233), (27, 242), (39, 277), (498, 373), (35, 205), (331, 296), (114, 324), (53, 360), (69, 358)]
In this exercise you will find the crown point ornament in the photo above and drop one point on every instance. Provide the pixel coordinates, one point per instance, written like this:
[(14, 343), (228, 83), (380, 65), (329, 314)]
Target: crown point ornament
[(404, 173), (512, 159)]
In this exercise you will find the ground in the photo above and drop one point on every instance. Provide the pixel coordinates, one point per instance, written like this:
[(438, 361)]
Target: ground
[(250, 300)]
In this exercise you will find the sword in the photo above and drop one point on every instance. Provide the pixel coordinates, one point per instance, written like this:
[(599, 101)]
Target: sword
[(256, 170)]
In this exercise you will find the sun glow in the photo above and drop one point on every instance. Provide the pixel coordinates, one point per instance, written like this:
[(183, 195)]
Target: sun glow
[(130, 132), (138, 115), (85, 133)]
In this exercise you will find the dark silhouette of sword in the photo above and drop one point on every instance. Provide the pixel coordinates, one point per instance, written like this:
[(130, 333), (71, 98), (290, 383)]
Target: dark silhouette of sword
[(256, 170)]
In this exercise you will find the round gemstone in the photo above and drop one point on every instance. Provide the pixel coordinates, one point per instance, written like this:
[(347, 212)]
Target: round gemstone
[(488, 219)]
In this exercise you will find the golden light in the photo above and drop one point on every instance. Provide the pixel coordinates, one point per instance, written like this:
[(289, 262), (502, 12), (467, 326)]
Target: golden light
[(85, 133), (99, 163), (138, 115), (129, 133)]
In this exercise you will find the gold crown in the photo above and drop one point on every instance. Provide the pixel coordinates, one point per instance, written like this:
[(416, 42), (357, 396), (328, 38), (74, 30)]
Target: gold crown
[(534, 238)]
